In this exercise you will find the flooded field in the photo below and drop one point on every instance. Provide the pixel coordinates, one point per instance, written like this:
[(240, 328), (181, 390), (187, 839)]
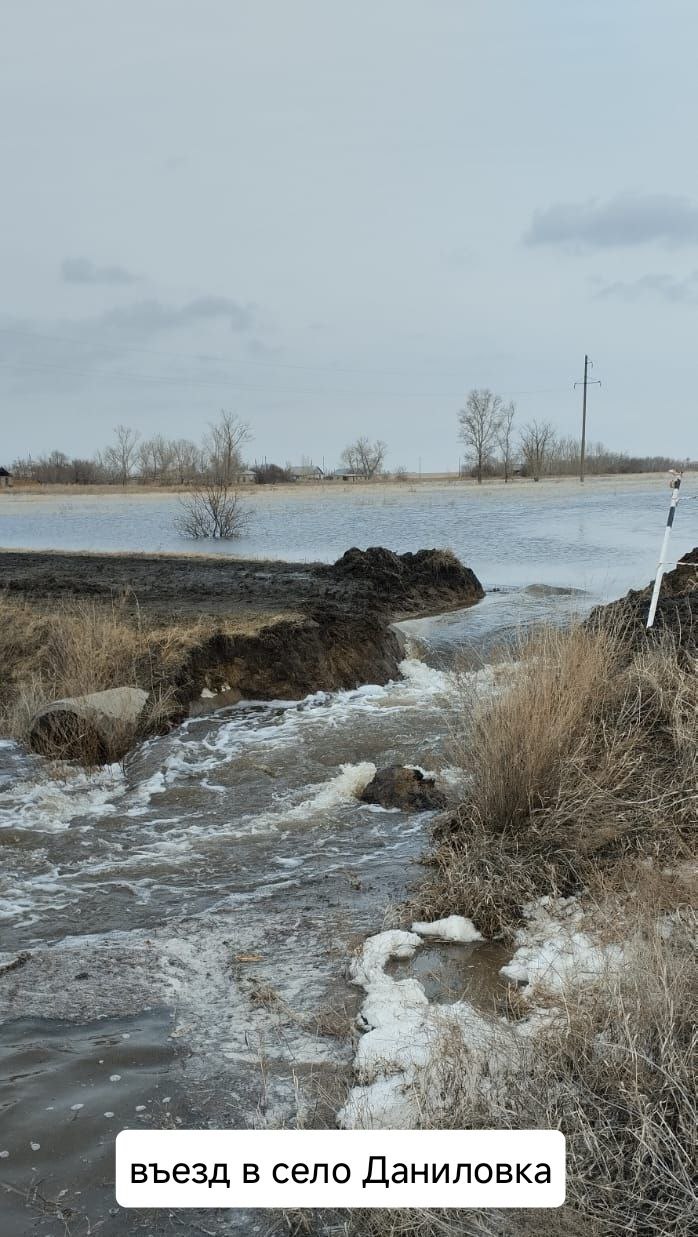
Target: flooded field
[(190, 916), (605, 535)]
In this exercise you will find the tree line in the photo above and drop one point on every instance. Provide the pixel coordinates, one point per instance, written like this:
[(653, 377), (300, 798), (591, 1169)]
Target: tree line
[(180, 461), (495, 448)]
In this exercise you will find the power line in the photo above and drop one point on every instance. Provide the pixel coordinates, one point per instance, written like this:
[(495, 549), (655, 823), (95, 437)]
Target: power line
[(231, 380), (205, 358)]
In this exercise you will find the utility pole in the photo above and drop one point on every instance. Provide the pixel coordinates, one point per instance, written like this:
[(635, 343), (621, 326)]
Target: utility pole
[(587, 381)]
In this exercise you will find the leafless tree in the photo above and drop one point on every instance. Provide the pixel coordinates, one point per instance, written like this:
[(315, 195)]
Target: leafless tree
[(155, 458), (187, 460), (222, 446), (119, 459), (85, 472), (479, 424), (505, 438), (212, 511), (537, 445), (365, 457)]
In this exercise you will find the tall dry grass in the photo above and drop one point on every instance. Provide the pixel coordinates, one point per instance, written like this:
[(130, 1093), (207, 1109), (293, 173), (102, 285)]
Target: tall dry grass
[(587, 759)]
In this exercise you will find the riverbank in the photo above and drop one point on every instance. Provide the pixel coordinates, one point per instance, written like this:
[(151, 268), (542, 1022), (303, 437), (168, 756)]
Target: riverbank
[(201, 633), (573, 843)]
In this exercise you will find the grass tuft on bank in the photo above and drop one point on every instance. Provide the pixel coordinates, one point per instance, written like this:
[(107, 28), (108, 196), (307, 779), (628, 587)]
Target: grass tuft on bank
[(585, 765)]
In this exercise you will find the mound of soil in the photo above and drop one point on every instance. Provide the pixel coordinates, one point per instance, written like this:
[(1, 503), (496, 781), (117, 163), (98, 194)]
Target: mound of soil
[(172, 585), (408, 581), (677, 609)]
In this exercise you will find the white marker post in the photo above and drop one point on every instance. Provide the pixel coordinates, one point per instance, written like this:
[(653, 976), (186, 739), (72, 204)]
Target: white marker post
[(675, 484)]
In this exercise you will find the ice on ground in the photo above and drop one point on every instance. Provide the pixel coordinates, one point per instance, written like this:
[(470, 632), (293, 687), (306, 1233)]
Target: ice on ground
[(413, 1053), (368, 968), (454, 928), (403, 1035), (557, 946)]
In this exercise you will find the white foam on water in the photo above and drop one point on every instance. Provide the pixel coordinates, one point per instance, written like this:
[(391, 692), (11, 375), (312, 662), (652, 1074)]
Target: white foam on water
[(343, 788), (51, 805)]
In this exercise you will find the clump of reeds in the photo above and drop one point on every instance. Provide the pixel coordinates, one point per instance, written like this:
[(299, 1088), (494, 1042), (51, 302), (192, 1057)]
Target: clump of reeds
[(588, 757)]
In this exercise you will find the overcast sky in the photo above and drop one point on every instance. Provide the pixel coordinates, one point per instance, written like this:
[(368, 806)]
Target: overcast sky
[(336, 218)]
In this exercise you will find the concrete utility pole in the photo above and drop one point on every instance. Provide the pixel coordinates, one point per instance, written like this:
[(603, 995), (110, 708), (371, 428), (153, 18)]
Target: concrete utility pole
[(587, 381)]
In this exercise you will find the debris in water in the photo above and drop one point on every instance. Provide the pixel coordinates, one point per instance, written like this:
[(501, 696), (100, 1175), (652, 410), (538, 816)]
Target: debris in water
[(20, 960), (115, 1077)]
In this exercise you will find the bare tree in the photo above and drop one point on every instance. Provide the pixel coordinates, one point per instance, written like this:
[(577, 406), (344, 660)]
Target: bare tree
[(537, 446), (222, 445), (505, 438), (119, 459), (212, 511), (187, 462), (155, 458), (479, 423), (365, 457)]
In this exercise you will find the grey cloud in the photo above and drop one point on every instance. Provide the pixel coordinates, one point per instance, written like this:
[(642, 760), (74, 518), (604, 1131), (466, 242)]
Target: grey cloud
[(82, 270), (149, 317), (64, 353), (625, 220), (667, 287)]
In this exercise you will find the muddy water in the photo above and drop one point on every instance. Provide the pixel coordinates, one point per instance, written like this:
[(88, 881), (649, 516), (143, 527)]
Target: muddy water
[(189, 919)]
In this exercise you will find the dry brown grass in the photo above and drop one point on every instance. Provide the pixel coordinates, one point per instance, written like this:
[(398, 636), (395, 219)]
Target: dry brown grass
[(588, 758), (75, 648)]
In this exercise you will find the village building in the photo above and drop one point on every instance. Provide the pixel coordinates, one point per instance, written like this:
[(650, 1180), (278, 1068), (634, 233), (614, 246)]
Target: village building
[(307, 472), (5, 478)]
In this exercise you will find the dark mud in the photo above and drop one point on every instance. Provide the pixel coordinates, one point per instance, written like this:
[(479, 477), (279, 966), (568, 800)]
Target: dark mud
[(173, 586)]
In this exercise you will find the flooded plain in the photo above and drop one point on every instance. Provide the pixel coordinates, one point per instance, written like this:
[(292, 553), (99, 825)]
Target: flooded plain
[(189, 916)]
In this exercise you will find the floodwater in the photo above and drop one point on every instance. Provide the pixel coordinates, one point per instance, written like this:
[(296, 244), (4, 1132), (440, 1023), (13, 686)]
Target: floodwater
[(191, 915), (605, 535)]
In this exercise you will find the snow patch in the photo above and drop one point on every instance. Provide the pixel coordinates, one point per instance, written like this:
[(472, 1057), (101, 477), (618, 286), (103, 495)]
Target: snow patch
[(454, 928), (402, 1037), (557, 947)]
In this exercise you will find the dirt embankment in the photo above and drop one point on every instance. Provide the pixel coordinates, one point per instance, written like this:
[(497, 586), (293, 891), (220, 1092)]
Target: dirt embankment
[(677, 609), (237, 629), (173, 586)]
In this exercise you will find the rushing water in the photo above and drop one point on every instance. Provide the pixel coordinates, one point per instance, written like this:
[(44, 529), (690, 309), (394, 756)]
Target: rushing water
[(189, 916)]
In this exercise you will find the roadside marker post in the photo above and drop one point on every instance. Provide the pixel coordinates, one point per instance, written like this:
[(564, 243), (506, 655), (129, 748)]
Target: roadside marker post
[(675, 484)]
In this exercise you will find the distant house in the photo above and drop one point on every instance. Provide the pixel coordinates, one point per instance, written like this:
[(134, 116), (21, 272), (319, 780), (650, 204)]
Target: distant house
[(307, 472), (248, 476), (5, 478), (346, 474)]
